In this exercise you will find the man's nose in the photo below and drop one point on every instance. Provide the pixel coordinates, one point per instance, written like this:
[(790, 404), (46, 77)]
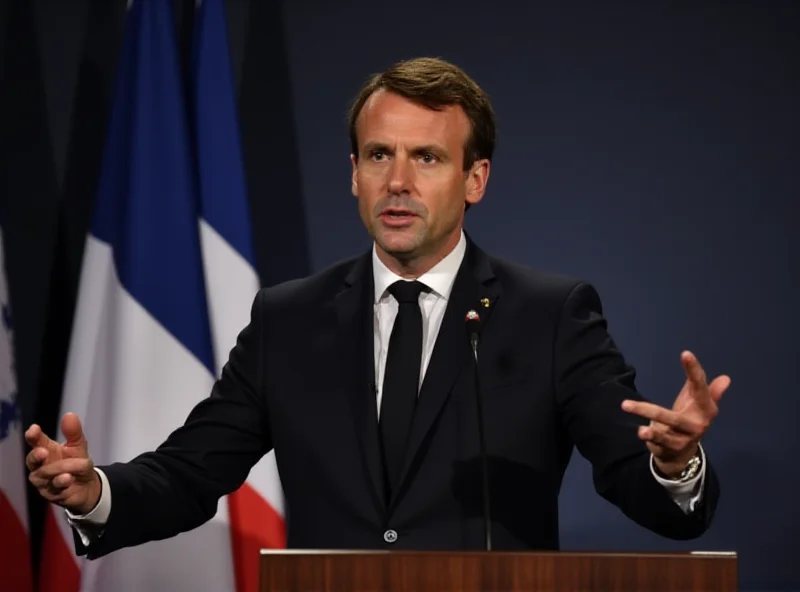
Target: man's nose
[(401, 175)]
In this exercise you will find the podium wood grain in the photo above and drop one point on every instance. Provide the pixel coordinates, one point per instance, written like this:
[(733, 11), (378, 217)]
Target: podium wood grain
[(400, 571)]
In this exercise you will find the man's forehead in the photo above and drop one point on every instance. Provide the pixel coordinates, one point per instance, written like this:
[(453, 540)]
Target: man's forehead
[(384, 101), (387, 113)]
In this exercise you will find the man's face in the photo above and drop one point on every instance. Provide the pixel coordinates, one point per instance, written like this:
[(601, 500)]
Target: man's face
[(409, 177)]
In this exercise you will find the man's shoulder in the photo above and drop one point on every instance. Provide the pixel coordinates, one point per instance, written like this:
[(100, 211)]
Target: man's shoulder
[(528, 280), (314, 288), (544, 291)]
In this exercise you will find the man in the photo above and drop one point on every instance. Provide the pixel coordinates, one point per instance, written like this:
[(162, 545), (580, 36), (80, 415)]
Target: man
[(378, 446)]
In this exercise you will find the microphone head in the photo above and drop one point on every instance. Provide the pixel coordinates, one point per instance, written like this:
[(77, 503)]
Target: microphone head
[(473, 322)]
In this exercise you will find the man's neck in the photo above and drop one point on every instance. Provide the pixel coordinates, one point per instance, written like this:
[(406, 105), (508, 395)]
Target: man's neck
[(413, 268)]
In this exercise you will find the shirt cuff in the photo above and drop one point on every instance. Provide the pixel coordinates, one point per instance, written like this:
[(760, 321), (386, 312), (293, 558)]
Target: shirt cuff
[(90, 525), (687, 494)]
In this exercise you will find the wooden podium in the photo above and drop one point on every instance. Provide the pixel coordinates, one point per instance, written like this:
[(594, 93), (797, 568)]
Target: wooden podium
[(401, 571)]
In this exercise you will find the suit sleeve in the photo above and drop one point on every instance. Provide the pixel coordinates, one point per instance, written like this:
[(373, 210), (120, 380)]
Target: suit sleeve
[(591, 381), (176, 488)]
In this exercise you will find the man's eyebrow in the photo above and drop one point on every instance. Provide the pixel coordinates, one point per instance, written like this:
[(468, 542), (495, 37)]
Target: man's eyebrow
[(376, 145), (421, 149), (435, 148)]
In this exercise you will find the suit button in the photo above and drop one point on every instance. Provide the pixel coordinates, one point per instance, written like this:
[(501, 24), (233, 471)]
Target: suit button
[(390, 536)]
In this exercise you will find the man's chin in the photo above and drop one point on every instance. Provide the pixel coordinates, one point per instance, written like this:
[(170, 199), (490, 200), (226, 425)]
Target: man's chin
[(399, 247)]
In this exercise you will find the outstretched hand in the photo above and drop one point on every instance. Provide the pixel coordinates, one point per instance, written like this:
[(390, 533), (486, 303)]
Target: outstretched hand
[(674, 434), (63, 473)]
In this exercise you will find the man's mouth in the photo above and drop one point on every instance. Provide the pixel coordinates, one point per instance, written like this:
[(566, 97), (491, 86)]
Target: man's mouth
[(397, 213), (397, 217)]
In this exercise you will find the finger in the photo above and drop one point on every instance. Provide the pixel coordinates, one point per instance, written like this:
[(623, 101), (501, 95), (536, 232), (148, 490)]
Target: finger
[(50, 485), (51, 488), (73, 432), (696, 378), (35, 458), (34, 436), (657, 450), (55, 485), (38, 481), (667, 441), (718, 387), (63, 480), (61, 496), (705, 402), (78, 467), (694, 371), (659, 414)]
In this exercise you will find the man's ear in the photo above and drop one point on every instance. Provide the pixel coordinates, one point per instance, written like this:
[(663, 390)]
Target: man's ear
[(354, 180), (477, 179)]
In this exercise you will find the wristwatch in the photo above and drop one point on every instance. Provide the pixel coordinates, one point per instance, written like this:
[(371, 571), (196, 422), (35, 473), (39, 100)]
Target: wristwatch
[(691, 470)]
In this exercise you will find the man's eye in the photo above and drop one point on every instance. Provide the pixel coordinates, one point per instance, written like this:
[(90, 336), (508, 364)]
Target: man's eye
[(428, 158), (378, 154)]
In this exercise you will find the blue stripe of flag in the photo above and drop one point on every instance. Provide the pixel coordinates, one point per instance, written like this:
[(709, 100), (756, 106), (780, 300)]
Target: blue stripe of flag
[(223, 190), (147, 207)]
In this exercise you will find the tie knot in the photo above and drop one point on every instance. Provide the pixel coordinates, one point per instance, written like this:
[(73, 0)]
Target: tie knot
[(405, 291)]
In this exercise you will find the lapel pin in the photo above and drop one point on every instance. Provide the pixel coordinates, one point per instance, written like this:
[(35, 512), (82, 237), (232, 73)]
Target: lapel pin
[(485, 302)]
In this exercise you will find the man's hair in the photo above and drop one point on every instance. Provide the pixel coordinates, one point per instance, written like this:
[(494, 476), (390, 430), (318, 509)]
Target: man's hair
[(435, 83)]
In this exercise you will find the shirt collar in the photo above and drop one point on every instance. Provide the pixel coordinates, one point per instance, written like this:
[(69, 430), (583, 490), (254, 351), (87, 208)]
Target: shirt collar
[(439, 278)]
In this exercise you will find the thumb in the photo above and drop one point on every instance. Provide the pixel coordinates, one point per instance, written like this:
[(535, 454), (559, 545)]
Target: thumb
[(718, 387), (73, 432)]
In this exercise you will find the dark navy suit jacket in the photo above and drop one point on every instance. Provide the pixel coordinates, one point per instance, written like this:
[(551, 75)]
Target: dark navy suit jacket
[(301, 379)]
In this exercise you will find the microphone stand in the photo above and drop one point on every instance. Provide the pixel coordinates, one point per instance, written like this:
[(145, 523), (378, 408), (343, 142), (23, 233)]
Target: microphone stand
[(473, 321)]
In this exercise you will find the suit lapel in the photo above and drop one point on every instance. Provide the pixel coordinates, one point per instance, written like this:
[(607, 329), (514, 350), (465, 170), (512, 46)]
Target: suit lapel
[(354, 312), (473, 289)]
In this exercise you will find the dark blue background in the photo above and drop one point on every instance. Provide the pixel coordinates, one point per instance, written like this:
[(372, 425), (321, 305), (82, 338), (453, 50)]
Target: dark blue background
[(651, 148)]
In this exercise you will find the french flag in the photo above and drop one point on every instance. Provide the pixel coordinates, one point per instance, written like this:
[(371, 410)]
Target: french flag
[(15, 560), (143, 350), (256, 509)]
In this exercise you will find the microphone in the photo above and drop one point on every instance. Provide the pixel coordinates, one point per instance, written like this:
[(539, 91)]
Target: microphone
[(473, 324)]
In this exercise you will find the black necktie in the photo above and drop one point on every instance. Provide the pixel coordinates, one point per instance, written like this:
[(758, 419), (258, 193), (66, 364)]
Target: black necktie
[(401, 378)]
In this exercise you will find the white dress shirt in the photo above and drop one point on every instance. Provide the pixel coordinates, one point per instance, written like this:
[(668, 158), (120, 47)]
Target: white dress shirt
[(440, 280)]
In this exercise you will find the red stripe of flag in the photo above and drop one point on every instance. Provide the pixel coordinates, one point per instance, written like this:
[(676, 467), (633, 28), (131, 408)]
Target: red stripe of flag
[(59, 570), (15, 555), (255, 525)]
